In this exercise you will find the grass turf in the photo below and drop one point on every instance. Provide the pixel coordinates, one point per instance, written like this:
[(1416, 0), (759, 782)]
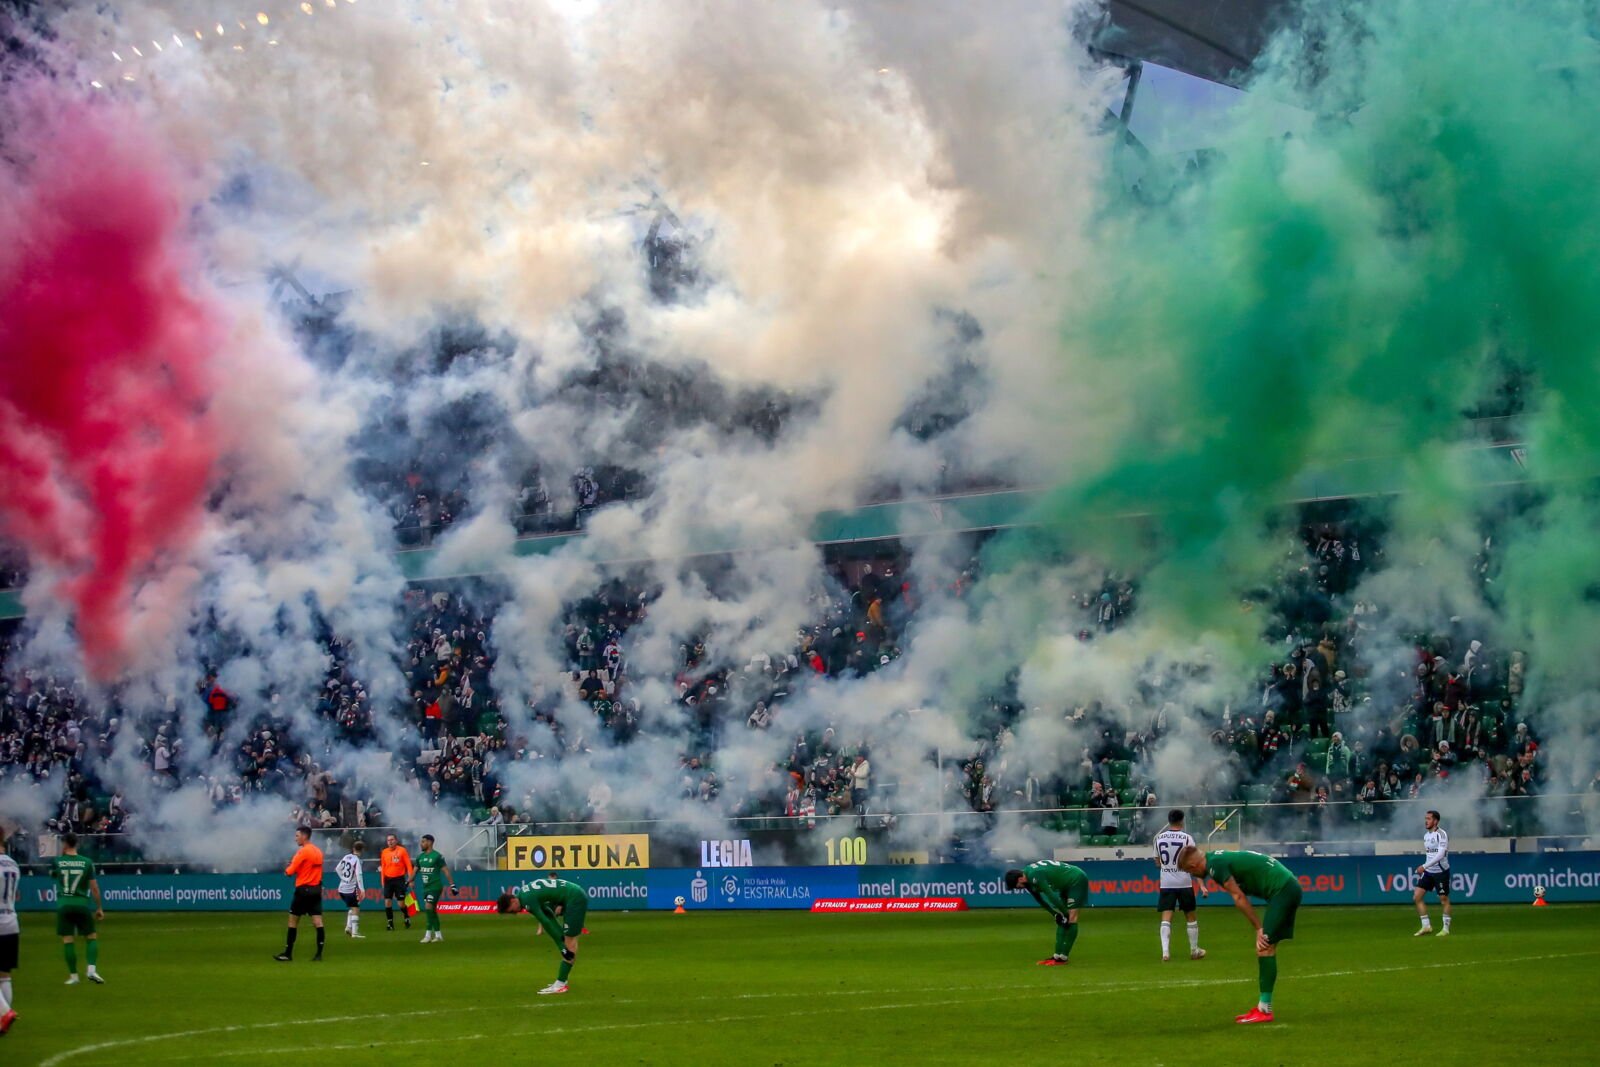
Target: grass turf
[(794, 988)]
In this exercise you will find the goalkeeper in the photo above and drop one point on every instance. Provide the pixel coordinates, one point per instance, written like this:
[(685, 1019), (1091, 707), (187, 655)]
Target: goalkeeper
[(1061, 889), (559, 906)]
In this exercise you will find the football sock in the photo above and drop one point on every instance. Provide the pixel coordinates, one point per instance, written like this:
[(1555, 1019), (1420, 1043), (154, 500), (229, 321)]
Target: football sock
[(1194, 937), (321, 934), (563, 971), (94, 952), (5, 993), (388, 913), (288, 944), (1269, 978), (1426, 922), (1166, 936), (1065, 936), (70, 950), (1447, 922)]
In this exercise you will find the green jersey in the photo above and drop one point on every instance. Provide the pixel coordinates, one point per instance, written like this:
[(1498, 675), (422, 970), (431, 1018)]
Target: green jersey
[(430, 865), (1259, 876), (72, 875), (545, 894), (542, 896), (1057, 886)]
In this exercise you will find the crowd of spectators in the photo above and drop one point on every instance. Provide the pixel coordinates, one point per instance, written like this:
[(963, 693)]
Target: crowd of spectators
[(424, 507), (1323, 736)]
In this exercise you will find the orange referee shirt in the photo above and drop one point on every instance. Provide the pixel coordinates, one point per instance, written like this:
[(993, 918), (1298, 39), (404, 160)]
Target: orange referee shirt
[(306, 867), (395, 862)]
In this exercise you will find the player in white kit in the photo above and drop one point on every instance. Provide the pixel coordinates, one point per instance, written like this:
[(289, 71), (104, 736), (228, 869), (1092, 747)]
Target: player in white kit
[(351, 888), (10, 934), (1177, 886), (1435, 872)]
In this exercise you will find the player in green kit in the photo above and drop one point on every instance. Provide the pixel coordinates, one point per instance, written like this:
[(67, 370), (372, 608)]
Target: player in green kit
[(559, 906), (1250, 874), (78, 907), (435, 875), (1061, 889)]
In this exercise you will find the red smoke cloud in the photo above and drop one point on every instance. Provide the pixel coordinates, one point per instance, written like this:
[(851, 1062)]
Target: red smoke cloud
[(106, 447)]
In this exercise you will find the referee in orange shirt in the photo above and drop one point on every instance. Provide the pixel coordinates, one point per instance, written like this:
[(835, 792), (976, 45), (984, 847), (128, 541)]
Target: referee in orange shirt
[(306, 870), (395, 868)]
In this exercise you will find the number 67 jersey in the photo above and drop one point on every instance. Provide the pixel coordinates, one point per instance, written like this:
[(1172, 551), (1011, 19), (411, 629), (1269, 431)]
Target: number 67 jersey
[(1169, 843)]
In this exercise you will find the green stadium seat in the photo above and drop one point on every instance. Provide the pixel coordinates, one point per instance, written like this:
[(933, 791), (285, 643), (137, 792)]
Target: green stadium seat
[(1129, 797), (1117, 840)]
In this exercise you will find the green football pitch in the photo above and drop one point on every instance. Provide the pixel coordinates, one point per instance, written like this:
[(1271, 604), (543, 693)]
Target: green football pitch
[(794, 988)]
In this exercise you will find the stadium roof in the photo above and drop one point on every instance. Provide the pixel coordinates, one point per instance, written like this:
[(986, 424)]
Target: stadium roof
[(1213, 39)]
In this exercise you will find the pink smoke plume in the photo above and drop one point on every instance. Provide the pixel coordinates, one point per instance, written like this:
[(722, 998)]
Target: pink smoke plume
[(106, 341)]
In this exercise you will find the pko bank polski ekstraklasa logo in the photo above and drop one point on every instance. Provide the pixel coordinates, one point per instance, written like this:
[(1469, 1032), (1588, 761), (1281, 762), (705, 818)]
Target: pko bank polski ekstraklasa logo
[(763, 889), (699, 889)]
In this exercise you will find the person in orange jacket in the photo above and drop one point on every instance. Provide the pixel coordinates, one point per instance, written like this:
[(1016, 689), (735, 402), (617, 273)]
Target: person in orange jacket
[(306, 870), (396, 870)]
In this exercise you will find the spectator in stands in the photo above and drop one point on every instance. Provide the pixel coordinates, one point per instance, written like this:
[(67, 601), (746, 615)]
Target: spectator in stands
[(860, 775)]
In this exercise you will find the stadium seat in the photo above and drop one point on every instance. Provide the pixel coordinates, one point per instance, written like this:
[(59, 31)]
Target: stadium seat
[(1129, 797)]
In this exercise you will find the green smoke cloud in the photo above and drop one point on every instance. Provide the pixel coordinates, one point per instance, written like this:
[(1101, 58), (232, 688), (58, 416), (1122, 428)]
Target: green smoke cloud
[(1332, 301)]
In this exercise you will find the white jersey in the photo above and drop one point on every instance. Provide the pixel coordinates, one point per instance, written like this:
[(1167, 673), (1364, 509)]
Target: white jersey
[(10, 883), (1436, 849), (349, 872), (1169, 843)]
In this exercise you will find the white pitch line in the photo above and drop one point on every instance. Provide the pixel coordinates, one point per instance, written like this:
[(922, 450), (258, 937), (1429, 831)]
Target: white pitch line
[(62, 1057), (753, 1016)]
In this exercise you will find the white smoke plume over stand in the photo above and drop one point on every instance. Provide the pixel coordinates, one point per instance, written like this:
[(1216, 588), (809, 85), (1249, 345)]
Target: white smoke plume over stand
[(869, 202)]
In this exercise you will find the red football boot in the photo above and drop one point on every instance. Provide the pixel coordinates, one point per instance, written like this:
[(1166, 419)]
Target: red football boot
[(6, 1020), (1254, 1015), (1053, 961)]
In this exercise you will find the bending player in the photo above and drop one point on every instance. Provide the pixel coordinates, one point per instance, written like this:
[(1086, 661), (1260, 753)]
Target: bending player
[(1250, 874), (1435, 872), (1061, 889), (1177, 887), (560, 907)]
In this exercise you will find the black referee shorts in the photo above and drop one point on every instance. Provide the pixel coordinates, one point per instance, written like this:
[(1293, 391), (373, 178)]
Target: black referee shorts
[(394, 888), (307, 900)]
